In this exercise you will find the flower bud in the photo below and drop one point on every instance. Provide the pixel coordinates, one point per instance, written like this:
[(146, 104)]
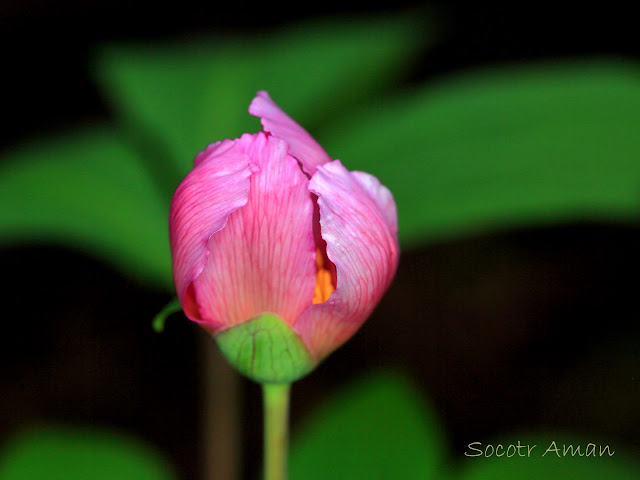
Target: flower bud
[(279, 252)]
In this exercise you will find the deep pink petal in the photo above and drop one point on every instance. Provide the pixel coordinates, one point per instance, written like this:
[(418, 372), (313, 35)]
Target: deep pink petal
[(301, 145), (357, 220), (217, 186), (264, 258)]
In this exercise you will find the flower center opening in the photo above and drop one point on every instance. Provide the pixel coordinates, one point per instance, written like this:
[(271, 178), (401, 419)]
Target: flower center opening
[(324, 282)]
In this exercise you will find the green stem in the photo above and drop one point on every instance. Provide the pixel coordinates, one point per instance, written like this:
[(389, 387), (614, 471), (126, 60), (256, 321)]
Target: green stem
[(276, 430)]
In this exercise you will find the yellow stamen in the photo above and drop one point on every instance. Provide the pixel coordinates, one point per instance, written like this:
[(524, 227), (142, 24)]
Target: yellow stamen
[(324, 285)]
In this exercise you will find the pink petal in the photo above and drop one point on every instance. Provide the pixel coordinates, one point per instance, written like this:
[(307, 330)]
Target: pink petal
[(264, 258), (301, 145), (217, 186), (209, 151), (381, 195), (357, 220)]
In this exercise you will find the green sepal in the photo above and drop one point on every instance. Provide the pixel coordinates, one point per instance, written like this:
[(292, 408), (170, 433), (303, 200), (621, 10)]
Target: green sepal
[(161, 318), (266, 350)]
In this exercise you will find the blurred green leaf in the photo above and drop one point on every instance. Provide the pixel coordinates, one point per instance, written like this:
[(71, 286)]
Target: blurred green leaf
[(86, 190), (502, 147), (550, 466), (187, 94), (65, 453), (378, 428)]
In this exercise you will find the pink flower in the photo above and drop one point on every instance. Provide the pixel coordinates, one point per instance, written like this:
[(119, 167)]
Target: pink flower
[(267, 223)]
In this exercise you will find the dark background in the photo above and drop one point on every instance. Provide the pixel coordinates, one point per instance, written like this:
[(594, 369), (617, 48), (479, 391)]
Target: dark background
[(520, 329)]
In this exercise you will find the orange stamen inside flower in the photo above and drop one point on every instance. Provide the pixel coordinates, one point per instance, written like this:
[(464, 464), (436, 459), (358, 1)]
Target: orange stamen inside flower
[(324, 282)]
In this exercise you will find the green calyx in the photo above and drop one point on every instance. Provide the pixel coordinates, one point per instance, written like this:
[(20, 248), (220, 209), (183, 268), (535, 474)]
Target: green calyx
[(266, 350)]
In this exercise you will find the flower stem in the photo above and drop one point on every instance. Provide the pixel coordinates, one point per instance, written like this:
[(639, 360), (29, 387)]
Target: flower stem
[(276, 429)]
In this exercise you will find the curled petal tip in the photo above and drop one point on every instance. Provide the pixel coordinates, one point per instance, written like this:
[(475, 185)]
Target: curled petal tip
[(276, 122)]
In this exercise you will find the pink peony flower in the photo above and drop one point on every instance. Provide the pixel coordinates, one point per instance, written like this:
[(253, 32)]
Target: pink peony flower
[(267, 224)]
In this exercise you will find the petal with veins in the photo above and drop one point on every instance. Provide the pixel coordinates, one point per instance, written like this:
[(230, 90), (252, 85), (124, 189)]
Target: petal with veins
[(357, 223), (264, 260), (217, 186)]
